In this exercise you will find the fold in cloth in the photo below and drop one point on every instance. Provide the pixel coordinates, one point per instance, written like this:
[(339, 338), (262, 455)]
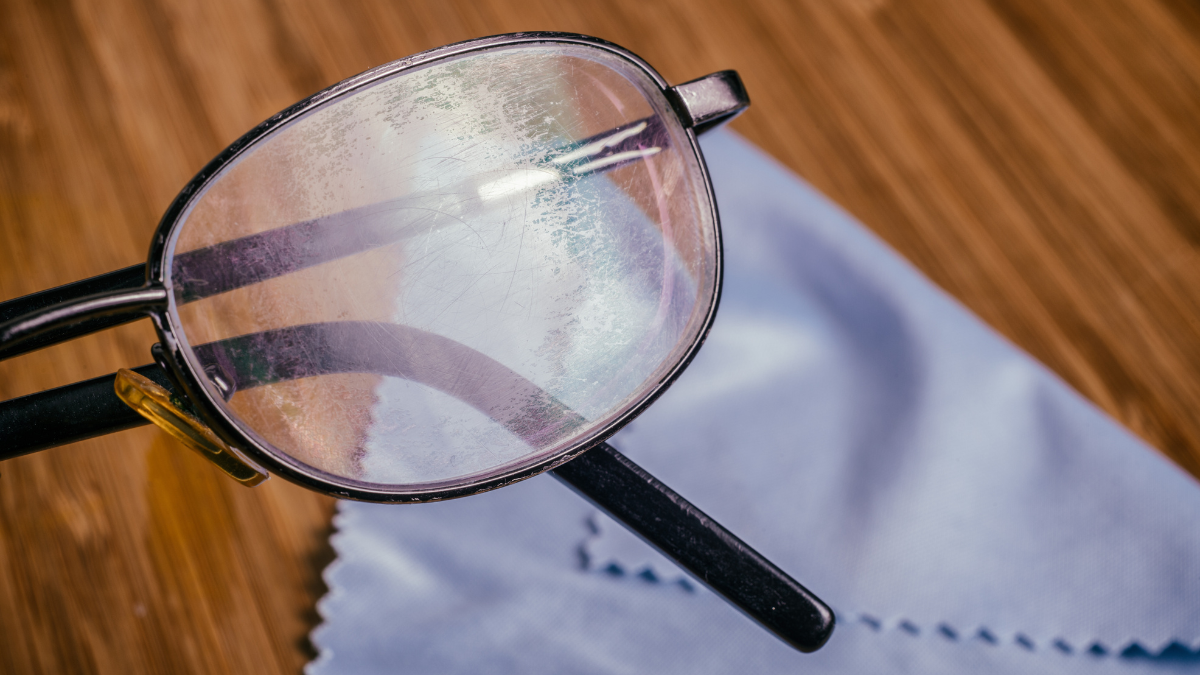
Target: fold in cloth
[(959, 506)]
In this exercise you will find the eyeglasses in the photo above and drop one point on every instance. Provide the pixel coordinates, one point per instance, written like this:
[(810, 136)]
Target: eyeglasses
[(436, 278)]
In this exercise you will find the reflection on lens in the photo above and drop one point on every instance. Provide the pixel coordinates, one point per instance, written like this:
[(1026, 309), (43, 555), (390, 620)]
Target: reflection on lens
[(452, 273)]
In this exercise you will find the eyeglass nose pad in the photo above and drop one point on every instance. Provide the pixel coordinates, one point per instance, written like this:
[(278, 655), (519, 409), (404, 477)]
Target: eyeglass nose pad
[(154, 403)]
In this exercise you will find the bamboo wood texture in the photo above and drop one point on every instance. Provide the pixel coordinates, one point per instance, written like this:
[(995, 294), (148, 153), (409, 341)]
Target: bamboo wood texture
[(1039, 159)]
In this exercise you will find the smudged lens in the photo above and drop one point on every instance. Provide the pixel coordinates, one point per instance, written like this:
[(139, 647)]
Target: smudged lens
[(453, 273)]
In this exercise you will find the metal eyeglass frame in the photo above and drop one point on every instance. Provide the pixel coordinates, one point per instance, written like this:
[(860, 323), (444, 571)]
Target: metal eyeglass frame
[(594, 469)]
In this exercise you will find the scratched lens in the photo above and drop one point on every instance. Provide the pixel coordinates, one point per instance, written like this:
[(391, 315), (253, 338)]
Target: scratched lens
[(452, 274)]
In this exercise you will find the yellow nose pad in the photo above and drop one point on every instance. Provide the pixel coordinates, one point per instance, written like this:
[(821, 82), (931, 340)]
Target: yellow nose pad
[(154, 403)]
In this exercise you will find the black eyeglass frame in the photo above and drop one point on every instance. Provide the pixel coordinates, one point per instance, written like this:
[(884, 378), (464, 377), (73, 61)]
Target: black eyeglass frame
[(695, 107), (607, 478)]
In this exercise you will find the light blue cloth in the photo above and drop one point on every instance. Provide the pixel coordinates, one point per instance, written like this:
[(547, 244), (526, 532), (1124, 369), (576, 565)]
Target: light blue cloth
[(960, 507)]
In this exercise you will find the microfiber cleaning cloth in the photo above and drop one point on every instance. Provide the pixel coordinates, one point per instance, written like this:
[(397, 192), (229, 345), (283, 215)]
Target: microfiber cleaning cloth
[(960, 507)]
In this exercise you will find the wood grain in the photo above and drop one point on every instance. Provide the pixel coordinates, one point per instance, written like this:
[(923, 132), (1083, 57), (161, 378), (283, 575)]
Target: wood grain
[(1040, 160)]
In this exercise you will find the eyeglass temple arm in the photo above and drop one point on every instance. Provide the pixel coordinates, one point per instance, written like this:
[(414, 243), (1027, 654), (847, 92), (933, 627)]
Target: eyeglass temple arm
[(699, 544), (36, 304), (69, 414), (602, 475)]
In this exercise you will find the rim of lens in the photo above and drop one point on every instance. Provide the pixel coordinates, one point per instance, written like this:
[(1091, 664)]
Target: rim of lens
[(208, 401)]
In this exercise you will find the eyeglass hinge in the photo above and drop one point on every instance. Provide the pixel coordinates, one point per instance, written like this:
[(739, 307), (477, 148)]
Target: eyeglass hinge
[(710, 101)]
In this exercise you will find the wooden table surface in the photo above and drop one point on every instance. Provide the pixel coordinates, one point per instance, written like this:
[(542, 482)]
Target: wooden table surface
[(1039, 159)]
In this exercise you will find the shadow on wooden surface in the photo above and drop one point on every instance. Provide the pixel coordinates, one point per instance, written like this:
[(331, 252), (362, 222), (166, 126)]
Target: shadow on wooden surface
[(1039, 160)]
